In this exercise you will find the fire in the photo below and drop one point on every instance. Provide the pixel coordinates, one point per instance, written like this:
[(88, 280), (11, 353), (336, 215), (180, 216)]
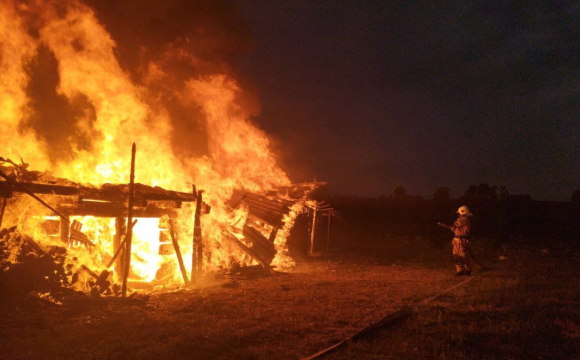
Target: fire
[(121, 110), (17, 50)]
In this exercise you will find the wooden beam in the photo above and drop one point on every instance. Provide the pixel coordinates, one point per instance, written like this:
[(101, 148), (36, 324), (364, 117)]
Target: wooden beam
[(258, 200), (268, 218), (121, 247), (273, 235), (129, 236), (197, 254), (249, 251), (264, 250), (2, 211), (177, 252), (15, 184), (313, 230), (113, 210), (118, 247), (64, 231), (47, 189)]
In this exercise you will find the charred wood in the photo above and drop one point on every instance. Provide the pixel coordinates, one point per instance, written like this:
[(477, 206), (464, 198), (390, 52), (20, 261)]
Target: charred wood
[(260, 244), (197, 254), (14, 184), (2, 211), (77, 235), (129, 235), (178, 252), (251, 252)]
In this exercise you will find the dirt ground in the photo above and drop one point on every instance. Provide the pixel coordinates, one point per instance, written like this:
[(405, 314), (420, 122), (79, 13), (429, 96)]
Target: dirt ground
[(287, 316), (524, 307)]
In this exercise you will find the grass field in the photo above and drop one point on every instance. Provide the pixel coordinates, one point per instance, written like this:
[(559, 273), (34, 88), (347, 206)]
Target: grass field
[(524, 307)]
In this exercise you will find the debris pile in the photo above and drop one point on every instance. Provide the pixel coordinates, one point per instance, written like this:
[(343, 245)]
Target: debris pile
[(26, 266)]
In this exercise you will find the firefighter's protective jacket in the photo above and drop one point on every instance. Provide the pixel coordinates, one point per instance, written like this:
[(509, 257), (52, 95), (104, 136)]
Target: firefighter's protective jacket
[(462, 226)]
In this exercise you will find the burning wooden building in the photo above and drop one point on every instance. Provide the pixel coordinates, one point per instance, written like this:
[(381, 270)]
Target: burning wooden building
[(148, 236), (193, 123)]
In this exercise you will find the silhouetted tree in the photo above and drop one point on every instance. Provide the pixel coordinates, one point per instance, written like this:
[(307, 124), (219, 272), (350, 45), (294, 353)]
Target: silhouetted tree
[(441, 195), (576, 198), (482, 193), (399, 192)]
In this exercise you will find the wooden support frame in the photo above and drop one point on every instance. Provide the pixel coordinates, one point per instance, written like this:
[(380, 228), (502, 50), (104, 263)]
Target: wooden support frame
[(120, 229), (64, 231), (177, 251), (250, 252), (313, 230), (129, 236), (2, 211), (197, 254)]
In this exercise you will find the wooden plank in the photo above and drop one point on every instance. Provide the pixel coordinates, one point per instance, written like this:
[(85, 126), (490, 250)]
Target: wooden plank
[(260, 244), (64, 231), (106, 192), (2, 211), (118, 247), (271, 210), (177, 252), (15, 184), (275, 224), (37, 188), (259, 201), (313, 230), (249, 251), (197, 254), (264, 201), (121, 248), (129, 236), (271, 220), (112, 210)]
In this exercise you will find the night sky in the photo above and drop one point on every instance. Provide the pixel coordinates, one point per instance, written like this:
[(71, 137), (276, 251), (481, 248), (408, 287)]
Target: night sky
[(374, 95)]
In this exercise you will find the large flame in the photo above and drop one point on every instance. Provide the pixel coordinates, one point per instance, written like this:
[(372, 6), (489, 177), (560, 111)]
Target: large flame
[(17, 50), (124, 111)]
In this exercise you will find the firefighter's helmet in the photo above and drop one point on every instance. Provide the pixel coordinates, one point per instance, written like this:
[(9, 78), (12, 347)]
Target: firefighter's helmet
[(464, 210)]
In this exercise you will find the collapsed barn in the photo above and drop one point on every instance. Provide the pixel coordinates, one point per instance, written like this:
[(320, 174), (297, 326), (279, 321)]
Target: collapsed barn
[(126, 218)]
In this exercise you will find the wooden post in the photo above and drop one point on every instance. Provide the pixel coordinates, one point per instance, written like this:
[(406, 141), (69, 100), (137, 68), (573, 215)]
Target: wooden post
[(273, 235), (129, 236), (2, 212), (197, 256), (120, 247), (313, 232), (120, 229), (64, 230), (177, 252)]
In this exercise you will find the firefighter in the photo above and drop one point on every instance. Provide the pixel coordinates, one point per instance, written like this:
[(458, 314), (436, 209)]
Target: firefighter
[(461, 247)]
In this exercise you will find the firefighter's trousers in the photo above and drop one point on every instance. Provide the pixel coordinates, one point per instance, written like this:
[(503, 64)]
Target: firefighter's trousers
[(462, 254)]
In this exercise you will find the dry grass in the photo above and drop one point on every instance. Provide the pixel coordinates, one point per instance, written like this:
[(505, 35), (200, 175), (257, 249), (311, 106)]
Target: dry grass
[(282, 317), (527, 307)]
